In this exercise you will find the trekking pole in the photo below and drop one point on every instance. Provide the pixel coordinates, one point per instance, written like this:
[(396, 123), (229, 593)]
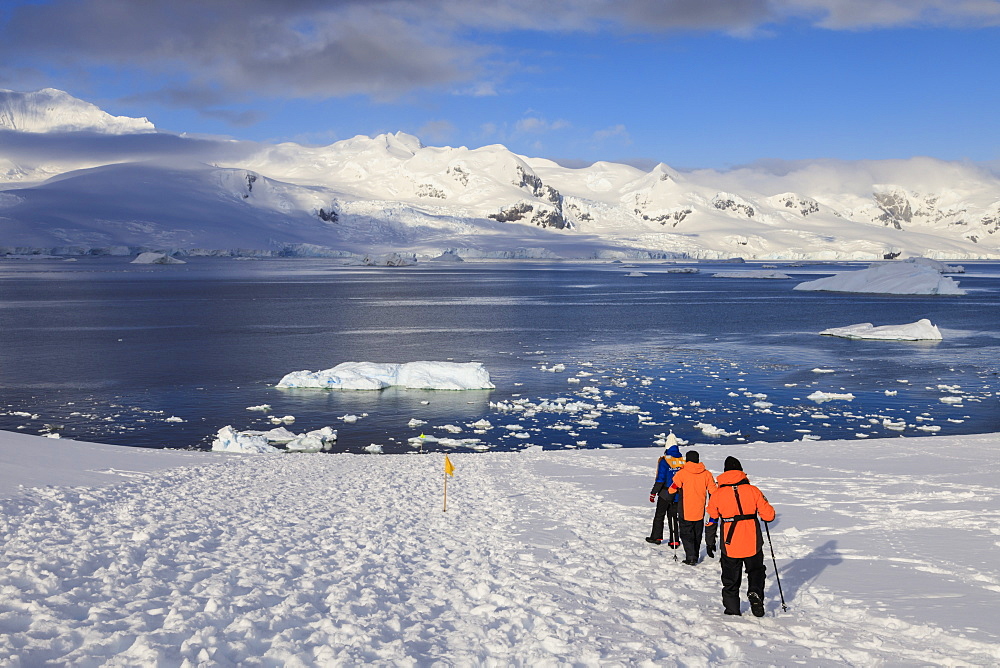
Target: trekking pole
[(674, 533), (784, 608)]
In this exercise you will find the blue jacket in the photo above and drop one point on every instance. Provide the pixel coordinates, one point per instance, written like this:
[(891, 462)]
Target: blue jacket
[(669, 464)]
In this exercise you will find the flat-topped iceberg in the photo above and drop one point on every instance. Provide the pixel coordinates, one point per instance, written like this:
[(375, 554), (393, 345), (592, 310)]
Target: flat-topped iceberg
[(895, 278), (921, 330), (378, 376)]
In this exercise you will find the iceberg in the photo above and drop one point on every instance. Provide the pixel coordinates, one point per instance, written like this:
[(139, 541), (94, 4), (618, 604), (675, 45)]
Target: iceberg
[(156, 258), (903, 278), (229, 440), (819, 397), (921, 330), (378, 376)]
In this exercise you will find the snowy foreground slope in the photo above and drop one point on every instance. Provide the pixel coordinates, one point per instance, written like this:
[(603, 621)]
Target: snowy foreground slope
[(74, 180), (886, 552)]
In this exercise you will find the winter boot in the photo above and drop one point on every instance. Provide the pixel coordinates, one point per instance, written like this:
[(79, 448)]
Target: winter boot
[(654, 541), (756, 604)]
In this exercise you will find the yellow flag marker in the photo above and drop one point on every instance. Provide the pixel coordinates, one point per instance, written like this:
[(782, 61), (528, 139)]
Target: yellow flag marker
[(449, 470)]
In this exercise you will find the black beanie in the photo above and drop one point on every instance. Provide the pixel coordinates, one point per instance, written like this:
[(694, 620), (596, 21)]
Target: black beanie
[(733, 464), (692, 456)]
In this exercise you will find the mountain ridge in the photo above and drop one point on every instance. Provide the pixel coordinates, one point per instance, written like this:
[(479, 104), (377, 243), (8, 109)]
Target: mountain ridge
[(72, 181)]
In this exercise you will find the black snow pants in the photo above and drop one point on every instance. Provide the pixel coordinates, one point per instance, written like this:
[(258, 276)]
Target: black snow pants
[(732, 577), (665, 507), (691, 533)]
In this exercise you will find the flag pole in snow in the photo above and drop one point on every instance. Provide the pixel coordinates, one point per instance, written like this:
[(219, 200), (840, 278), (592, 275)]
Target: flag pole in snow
[(784, 608), (449, 470)]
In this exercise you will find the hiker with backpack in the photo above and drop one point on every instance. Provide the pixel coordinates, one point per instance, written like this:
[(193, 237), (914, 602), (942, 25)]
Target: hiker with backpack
[(666, 503), (694, 483), (739, 507)]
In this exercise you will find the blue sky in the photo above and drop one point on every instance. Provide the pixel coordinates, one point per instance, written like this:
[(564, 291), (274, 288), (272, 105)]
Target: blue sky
[(693, 83)]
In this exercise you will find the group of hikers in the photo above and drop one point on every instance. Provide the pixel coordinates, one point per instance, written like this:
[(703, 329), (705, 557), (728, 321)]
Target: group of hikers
[(684, 492)]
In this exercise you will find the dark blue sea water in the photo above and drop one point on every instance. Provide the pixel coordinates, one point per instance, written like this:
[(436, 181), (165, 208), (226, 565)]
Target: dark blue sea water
[(102, 350)]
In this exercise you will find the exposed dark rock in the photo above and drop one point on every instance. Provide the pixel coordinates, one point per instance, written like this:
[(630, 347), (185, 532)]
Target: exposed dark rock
[(549, 218), (251, 179), (726, 204), (895, 207), (331, 215), (675, 216), (513, 213), (458, 174), (427, 190), (804, 206)]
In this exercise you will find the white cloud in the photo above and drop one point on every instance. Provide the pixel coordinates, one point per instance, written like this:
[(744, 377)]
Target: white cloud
[(479, 89), (537, 125), (380, 48), (615, 131), (869, 14), (437, 132)]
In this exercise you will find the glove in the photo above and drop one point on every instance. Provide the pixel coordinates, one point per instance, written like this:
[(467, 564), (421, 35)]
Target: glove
[(652, 498)]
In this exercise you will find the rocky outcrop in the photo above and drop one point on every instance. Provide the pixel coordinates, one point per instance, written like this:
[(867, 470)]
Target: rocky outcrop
[(734, 203)]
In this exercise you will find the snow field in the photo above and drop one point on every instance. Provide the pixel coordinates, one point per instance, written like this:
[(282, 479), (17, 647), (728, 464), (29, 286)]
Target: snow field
[(313, 559)]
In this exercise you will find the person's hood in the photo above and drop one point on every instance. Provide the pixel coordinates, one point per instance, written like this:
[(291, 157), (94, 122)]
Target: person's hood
[(731, 477), (694, 467), (673, 451)]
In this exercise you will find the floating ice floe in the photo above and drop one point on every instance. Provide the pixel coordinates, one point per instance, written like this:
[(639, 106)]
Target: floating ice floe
[(819, 396), (921, 330), (263, 408), (751, 273), (895, 278), (711, 430), (229, 440), (156, 258), (635, 274), (378, 376), (374, 449), (819, 370), (683, 270), (251, 441)]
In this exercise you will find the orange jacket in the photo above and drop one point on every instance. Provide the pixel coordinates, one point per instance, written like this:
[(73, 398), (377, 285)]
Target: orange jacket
[(695, 483), (739, 538)]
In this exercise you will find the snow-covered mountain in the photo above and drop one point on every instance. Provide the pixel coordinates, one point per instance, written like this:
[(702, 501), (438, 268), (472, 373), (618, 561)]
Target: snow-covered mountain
[(51, 110), (74, 179)]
